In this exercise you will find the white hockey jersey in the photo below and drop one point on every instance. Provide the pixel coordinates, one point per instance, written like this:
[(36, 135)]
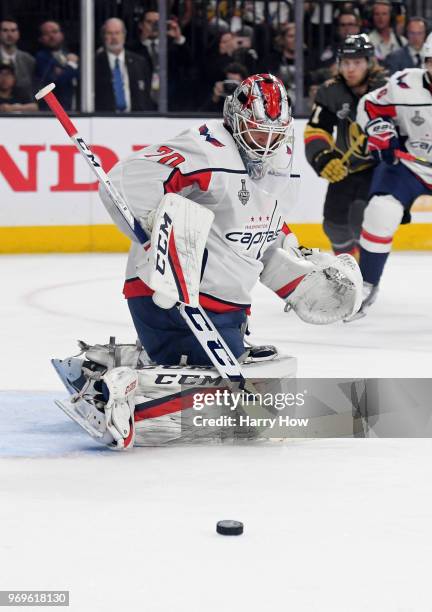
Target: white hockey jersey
[(407, 99), (204, 165)]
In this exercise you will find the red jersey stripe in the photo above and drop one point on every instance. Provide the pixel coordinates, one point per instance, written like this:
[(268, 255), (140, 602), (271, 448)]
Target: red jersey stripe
[(135, 287), (379, 110), (378, 239), (178, 181)]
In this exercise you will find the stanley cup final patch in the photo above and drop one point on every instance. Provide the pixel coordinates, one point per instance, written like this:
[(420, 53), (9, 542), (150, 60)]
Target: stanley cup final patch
[(243, 194), (417, 119)]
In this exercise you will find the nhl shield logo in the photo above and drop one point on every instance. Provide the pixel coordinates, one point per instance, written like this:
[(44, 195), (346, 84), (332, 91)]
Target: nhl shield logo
[(243, 194), (417, 119)]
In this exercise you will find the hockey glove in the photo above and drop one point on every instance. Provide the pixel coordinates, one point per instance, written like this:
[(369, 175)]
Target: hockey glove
[(382, 140), (329, 166)]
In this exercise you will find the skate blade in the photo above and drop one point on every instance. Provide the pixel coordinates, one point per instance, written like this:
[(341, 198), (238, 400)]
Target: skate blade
[(71, 411), (66, 368), (355, 317)]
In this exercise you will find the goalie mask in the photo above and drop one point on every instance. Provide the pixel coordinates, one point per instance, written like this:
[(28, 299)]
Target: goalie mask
[(258, 115)]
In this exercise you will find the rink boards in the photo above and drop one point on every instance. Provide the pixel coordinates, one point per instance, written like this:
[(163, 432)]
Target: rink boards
[(50, 201)]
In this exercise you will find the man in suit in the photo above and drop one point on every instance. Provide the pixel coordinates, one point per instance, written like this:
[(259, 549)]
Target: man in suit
[(55, 64), (179, 58), (122, 78), (23, 63), (410, 56)]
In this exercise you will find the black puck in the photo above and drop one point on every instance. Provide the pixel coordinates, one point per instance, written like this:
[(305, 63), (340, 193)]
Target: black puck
[(229, 527)]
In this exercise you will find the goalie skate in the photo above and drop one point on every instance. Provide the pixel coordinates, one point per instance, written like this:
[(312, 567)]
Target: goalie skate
[(105, 414), (81, 413)]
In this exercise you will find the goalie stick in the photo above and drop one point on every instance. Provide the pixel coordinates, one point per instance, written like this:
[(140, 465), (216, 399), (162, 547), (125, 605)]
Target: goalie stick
[(196, 318)]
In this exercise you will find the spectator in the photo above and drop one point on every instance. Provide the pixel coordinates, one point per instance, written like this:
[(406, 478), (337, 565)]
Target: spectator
[(54, 64), (231, 16), (22, 62), (383, 36), (230, 48), (411, 55), (123, 78), (234, 75), (276, 13), (321, 23), (179, 57), (12, 99), (183, 10), (281, 62), (347, 24)]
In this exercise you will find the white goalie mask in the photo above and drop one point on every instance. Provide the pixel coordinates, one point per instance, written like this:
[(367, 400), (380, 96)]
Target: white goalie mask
[(258, 114)]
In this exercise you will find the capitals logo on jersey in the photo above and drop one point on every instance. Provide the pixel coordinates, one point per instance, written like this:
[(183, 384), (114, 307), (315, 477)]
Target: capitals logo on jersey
[(400, 81), (204, 131)]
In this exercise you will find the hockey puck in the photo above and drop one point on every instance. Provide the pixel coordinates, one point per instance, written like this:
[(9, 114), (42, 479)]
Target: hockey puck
[(229, 527)]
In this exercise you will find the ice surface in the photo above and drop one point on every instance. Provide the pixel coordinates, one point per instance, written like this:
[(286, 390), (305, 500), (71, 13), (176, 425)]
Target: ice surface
[(51, 300), (330, 525)]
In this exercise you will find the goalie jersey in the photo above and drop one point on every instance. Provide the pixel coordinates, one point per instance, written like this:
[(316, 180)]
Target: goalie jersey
[(407, 100), (204, 165)]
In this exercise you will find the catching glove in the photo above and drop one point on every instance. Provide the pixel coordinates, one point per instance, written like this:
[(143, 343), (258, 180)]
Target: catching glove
[(328, 165), (382, 140)]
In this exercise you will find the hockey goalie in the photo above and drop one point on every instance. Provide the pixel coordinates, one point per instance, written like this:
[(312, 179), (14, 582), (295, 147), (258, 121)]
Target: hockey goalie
[(214, 202)]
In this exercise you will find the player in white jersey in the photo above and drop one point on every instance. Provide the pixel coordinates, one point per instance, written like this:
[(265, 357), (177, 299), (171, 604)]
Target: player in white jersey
[(394, 117), (229, 185), (238, 168)]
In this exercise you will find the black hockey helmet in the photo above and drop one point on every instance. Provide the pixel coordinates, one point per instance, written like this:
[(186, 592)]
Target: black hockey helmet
[(357, 45)]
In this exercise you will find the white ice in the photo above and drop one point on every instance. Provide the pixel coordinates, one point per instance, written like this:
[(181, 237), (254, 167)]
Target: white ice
[(330, 525)]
